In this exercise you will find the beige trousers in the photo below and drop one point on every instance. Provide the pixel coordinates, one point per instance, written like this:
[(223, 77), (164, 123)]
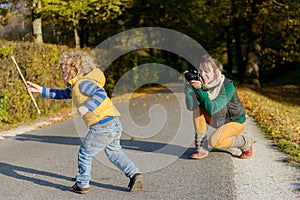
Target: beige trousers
[(222, 136)]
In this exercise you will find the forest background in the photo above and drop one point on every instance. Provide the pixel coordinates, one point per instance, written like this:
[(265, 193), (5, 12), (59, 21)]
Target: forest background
[(256, 40)]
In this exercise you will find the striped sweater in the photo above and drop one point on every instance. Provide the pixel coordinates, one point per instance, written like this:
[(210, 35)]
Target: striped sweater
[(88, 88)]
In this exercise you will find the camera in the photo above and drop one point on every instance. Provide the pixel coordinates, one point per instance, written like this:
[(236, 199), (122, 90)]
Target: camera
[(192, 74)]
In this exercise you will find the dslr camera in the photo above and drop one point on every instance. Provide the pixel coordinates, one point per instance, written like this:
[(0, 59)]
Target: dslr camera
[(192, 74)]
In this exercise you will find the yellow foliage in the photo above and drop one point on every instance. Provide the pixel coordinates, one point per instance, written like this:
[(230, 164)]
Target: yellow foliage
[(280, 121), (38, 64)]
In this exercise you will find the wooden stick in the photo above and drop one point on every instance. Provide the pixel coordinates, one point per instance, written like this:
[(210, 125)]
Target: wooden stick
[(29, 92)]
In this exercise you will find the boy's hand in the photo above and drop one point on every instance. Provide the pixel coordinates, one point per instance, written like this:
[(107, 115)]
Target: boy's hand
[(34, 87), (82, 110)]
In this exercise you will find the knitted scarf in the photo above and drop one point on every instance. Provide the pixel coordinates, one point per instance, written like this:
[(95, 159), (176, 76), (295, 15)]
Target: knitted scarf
[(213, 88)]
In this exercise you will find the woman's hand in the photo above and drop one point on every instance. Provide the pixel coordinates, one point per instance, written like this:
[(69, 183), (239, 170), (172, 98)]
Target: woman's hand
[(34, 87), (196, 84)]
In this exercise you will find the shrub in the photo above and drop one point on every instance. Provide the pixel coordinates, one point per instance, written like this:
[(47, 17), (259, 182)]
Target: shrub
[(38, 64)]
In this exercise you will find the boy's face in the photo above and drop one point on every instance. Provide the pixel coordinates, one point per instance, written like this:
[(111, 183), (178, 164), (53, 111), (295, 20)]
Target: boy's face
[(66, 76)]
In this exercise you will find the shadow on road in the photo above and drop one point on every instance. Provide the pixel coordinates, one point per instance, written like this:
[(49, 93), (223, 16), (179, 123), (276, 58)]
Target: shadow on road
[(297, 185), (17, 172), (50, 139), (156, 147), (150, 146), (136, 145)]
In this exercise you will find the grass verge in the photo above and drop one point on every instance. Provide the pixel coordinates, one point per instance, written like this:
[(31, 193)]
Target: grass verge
[(279, 119)]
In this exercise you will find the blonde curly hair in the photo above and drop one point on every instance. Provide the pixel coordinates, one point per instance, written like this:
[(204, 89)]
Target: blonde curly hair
[(76, 63)]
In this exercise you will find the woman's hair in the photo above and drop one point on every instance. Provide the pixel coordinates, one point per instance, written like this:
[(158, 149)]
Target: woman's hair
[(76, 62), (207, 62)]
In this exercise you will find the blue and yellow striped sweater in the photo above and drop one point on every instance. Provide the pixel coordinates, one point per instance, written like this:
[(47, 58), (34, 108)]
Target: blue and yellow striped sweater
[(91, 95)]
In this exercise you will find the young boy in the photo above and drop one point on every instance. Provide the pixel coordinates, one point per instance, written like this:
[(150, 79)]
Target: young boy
[(85, 86)]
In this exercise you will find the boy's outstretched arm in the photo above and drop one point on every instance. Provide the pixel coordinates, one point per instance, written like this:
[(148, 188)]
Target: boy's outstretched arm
[(34, 87), (49, 92)]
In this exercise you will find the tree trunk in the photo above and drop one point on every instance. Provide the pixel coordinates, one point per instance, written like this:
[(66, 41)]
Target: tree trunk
[(252, 66), (229, 45), (238, 50), (37, 22), (77, 38), (254, 47), (236, 23), (76, 35)]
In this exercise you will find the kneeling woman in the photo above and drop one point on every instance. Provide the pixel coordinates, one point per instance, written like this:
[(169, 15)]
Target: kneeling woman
[(214, 101)]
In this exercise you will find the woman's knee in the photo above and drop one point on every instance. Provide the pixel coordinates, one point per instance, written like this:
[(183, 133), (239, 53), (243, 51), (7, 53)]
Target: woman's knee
[(219, 143), (212, 141)]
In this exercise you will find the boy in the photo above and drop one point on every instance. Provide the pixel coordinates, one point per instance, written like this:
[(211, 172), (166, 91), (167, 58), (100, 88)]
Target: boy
[(85, 86)]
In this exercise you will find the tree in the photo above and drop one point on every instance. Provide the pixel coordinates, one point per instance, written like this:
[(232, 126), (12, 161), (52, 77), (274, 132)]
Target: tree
[(71, 13), (37, 21), (20, 8), (281, 36), (266, 35), (4, 9)]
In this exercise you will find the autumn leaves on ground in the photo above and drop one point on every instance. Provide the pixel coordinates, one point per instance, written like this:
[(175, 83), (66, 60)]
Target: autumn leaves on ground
[(276, 109)]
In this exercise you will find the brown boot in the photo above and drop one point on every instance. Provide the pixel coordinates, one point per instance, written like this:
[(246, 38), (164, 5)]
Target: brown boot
[(79, 190), (136, 182), (247, 154), (244, 143)]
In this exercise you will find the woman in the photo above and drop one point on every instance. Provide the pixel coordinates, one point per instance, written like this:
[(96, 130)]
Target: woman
[(214, 101)]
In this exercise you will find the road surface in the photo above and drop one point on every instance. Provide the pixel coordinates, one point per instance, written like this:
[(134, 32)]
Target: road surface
[(158, 137)]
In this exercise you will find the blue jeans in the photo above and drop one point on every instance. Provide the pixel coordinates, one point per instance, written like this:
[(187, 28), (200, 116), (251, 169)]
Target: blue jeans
[(99, 137)]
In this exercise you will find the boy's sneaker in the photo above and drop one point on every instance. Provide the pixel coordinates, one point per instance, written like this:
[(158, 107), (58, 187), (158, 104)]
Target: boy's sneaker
[(198, 155), (136, 182), (79, 190)]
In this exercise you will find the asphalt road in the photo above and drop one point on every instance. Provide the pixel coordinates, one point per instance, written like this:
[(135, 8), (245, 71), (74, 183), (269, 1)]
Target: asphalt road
[(158, 137)]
